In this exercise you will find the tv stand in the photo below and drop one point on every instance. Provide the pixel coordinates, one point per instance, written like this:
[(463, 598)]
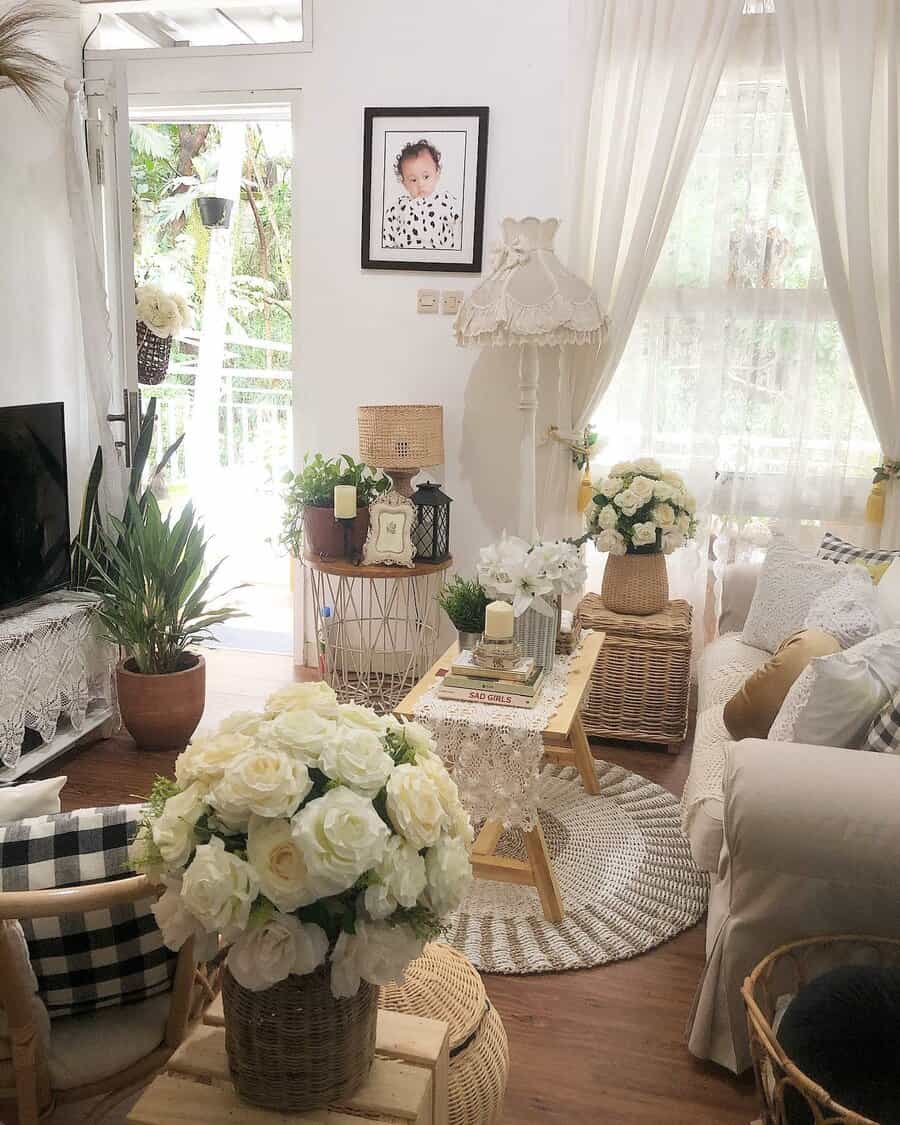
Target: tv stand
[(56, 679)]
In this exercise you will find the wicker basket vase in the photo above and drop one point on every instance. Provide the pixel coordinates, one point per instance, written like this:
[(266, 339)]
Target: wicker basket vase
[(294, 1046), (152, 356), (537, 633), (636, 584)]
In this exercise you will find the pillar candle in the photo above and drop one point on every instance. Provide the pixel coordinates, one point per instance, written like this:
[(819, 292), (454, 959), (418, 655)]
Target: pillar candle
[(344, 501), (498, 621)]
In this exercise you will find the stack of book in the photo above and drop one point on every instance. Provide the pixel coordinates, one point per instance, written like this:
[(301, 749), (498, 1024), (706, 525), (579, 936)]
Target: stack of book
[(467, 681)]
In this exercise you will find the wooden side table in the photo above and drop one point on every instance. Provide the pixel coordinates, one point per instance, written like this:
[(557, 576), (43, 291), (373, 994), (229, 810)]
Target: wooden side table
[(407, 1082), (565, 743), (377, 626)]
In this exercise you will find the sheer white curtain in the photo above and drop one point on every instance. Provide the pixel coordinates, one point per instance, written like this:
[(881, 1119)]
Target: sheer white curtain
[(735, 373), (641, 79), (841, 65)]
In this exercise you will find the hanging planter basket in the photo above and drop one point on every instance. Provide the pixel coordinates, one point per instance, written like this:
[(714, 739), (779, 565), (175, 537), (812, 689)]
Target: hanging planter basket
[(215, 210), (152, 355)]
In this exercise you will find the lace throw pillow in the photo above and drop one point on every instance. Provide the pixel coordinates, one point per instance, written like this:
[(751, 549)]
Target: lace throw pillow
[(846, 610), (789, 582)]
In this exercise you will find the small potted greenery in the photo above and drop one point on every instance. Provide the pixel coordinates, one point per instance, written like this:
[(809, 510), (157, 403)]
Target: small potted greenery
[(149, 574), (308, 521), (464, 602)]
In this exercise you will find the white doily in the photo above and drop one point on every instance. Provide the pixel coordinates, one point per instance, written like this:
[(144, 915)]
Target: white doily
[(495, 753), (53, 663)]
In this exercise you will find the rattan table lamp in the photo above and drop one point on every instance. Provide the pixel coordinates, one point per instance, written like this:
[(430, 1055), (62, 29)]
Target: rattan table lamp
[(402, 440)]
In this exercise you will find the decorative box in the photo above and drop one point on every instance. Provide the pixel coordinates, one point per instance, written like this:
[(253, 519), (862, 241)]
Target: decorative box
[(641, 683)]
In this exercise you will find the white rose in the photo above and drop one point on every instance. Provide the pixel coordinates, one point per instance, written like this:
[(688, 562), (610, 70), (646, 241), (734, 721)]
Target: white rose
[(642, 487), (648, 465), (622, 468), (208, 756), (302, 734), (314, 695), (174, 921), (419, 739), (627, 501), (241, 722), (689, 503), (268, 953), (611, 541), (279, 864), (261, 780), (683, 523), (357, 758), (401, 879), (341, 836), (353, 715), (218, 889), (173, 829), (643, 534), (664, 515), (457, 817), (449, 872), (610, 486), (663, 491), (377, 952), (671, 541), (607, 517), (675, 479), (414, 805)]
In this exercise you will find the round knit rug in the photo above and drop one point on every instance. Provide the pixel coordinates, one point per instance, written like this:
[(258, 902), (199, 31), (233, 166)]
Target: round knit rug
[(625, 873)]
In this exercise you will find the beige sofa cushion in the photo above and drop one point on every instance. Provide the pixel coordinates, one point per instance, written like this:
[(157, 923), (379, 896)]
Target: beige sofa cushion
[(723, 666)]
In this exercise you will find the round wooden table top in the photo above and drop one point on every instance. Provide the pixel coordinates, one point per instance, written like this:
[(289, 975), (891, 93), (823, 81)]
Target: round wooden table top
[(345, 568)]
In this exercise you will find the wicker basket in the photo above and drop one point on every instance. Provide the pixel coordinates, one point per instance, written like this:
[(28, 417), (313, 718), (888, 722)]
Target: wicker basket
[(641, 683), (537, 633), (152, 356), (635, 584), (442, 984), (785, 972), (294, 1046)]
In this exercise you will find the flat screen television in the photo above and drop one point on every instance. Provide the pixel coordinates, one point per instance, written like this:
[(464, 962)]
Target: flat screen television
[(34, 502)]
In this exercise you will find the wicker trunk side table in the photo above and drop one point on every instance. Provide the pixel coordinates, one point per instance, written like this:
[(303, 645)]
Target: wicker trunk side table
[(641, 682)]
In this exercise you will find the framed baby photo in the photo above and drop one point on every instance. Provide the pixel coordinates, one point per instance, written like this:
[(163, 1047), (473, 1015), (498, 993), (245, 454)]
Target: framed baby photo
[(389, 542), (423, 189)]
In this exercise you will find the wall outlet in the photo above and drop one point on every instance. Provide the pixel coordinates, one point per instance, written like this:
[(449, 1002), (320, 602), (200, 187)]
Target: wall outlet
[(451, 299), (427, 300)]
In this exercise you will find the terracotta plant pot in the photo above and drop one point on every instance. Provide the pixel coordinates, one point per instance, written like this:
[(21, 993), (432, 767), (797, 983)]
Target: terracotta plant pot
[(635, 584), (323, 536), (162, 712)]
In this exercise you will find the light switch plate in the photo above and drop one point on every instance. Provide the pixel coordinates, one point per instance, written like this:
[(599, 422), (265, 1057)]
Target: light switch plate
[(451, 299), (427, 300)]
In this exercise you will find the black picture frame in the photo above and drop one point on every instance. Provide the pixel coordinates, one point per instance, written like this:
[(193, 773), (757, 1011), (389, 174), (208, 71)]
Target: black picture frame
[(472, 220)]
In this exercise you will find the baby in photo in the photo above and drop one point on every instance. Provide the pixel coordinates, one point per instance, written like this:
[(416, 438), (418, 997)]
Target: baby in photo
[(425, 218)]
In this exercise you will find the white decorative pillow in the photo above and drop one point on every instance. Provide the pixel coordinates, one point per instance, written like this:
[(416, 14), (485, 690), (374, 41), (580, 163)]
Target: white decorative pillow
[(887, 597), (837, 698), (789, 582), (847, 611), (31, 798)]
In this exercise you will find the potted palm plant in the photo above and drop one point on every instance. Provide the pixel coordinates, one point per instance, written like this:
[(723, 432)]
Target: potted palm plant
[(149, 574)]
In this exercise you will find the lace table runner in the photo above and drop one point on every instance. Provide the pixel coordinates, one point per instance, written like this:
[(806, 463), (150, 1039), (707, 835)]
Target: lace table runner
[(53, 663), (495, 753)]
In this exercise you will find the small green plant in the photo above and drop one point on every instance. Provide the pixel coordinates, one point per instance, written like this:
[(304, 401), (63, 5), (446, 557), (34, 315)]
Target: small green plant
[(313, 487), (152, 587), (464, 601)]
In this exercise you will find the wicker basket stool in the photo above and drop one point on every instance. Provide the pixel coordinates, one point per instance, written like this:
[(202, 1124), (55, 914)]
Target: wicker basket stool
[(442, 984), (783, 973), (641, 683)]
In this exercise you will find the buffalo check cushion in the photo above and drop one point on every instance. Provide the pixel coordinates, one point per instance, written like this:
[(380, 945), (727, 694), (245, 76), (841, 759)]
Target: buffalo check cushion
[(839, 550), (884, 733), (100, 959)]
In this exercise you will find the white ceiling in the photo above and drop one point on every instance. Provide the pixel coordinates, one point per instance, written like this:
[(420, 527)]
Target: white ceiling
[(145, 24)]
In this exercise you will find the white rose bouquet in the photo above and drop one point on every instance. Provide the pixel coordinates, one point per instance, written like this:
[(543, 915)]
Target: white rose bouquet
[(527, 574), (640, 508), (165, 314), (314, 832)]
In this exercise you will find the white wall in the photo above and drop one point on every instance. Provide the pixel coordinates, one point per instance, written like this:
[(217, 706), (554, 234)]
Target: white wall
[(40, 341), (359, 339)]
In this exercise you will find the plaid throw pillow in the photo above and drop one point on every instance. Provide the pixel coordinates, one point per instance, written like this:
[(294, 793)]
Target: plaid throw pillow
[(100, 959), (884, 733), (840, 551)]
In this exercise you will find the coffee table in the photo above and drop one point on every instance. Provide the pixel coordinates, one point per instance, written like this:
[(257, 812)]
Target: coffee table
[(565, 743)]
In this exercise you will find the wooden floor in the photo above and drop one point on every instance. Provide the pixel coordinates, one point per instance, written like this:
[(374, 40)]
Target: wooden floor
[(594, 1045)]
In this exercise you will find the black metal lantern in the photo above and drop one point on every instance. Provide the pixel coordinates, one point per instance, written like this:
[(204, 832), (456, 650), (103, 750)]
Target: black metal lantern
[(431, 530)]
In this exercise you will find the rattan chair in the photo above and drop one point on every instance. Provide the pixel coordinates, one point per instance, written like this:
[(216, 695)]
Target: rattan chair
[(26, 1077)]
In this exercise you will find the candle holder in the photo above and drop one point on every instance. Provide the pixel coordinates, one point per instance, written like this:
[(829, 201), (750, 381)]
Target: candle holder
[(499, 655), (354, 555)]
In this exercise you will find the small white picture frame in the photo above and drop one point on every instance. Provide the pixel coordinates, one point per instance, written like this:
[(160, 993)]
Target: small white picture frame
[(389, 542)]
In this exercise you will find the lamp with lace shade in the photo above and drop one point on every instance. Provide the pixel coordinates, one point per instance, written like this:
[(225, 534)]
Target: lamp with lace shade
[(530, 300), (402, 440)]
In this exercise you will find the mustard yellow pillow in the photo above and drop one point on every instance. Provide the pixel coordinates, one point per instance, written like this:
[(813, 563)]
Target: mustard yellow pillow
[(752, 710), (876, 569)]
